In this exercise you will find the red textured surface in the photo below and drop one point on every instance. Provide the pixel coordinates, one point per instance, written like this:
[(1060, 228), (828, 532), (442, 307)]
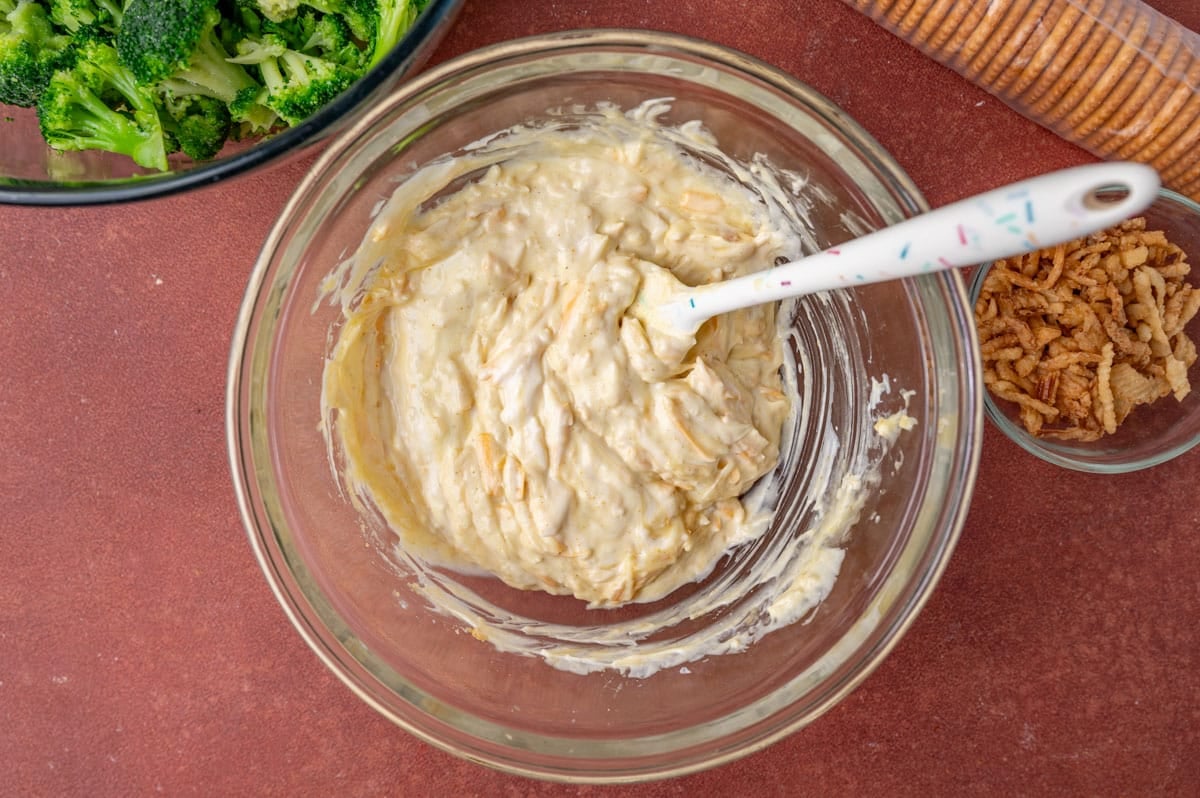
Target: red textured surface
[(141, 651)]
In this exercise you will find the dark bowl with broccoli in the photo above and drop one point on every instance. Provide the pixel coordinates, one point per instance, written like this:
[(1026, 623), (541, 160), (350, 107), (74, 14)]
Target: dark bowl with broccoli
[(117, 100)]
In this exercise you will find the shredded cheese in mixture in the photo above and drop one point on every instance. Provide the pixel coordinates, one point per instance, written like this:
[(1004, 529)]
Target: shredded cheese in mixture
[(497, 395)]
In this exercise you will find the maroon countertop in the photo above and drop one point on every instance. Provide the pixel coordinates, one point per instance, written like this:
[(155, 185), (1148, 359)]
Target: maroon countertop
[(141, 651)]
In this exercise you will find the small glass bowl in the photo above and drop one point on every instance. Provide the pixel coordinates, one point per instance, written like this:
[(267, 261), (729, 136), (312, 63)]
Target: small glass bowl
[(334, 568), (1153, 433), (31, 173)]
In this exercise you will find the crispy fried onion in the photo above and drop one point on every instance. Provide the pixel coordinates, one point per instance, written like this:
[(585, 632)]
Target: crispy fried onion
[(1080, 334)]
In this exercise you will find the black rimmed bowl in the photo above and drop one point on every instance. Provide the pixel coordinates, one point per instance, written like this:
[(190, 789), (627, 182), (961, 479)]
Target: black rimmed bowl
[(31, 173)]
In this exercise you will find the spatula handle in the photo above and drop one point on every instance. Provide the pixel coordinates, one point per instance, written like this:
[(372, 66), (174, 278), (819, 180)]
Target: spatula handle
[(1040, 212)]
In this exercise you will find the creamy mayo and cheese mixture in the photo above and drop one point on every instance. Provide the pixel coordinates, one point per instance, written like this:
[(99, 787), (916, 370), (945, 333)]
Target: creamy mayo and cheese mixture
[(498, 395)]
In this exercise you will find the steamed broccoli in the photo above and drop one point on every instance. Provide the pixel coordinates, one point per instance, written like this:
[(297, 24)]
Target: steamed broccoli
[(280, 10), (297, 84), (393, 19), (197, 125), (325, 35), (379, 24), (175, 47), (71, 15), (252, 118), (174, 43), (151, 77), (30, 51), (97, 104), (330, 37)]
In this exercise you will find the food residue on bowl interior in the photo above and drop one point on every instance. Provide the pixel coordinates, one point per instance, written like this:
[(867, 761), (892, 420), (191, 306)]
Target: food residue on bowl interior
[(494, 394)]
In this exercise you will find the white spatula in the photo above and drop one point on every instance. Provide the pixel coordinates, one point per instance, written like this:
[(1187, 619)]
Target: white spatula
[(1041, 212)]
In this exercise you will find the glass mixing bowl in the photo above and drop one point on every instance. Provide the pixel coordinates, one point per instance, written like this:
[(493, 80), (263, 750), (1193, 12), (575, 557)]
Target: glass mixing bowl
[(31, 173), (366, 610)]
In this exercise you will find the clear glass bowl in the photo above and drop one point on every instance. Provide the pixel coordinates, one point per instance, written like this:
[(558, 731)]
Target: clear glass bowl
[(361, 611), (1153, 433), (31, 173)]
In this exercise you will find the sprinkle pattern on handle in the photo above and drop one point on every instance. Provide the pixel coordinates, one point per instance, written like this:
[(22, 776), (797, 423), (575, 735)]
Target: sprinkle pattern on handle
[(1043, 211)]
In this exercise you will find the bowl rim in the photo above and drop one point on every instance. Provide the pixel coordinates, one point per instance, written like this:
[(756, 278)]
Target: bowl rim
[(419, 39), (963, 462), (1062, 454)]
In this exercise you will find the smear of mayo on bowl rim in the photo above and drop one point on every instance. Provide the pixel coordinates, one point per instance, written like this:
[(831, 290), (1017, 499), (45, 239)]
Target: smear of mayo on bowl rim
[(463, 381)]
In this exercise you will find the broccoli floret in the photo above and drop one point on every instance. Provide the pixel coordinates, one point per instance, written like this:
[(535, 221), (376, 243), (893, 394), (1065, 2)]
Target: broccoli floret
[(395, 18), (157, 39), (174, 44), (280, 10), (361, 16), (295, 30), (97, 104), (197, 125), (252, 118), (297, 85), (30, 52), (331, 38), (381, 23), (324, 35), (239, 19), (173, 84), (75, 14)]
